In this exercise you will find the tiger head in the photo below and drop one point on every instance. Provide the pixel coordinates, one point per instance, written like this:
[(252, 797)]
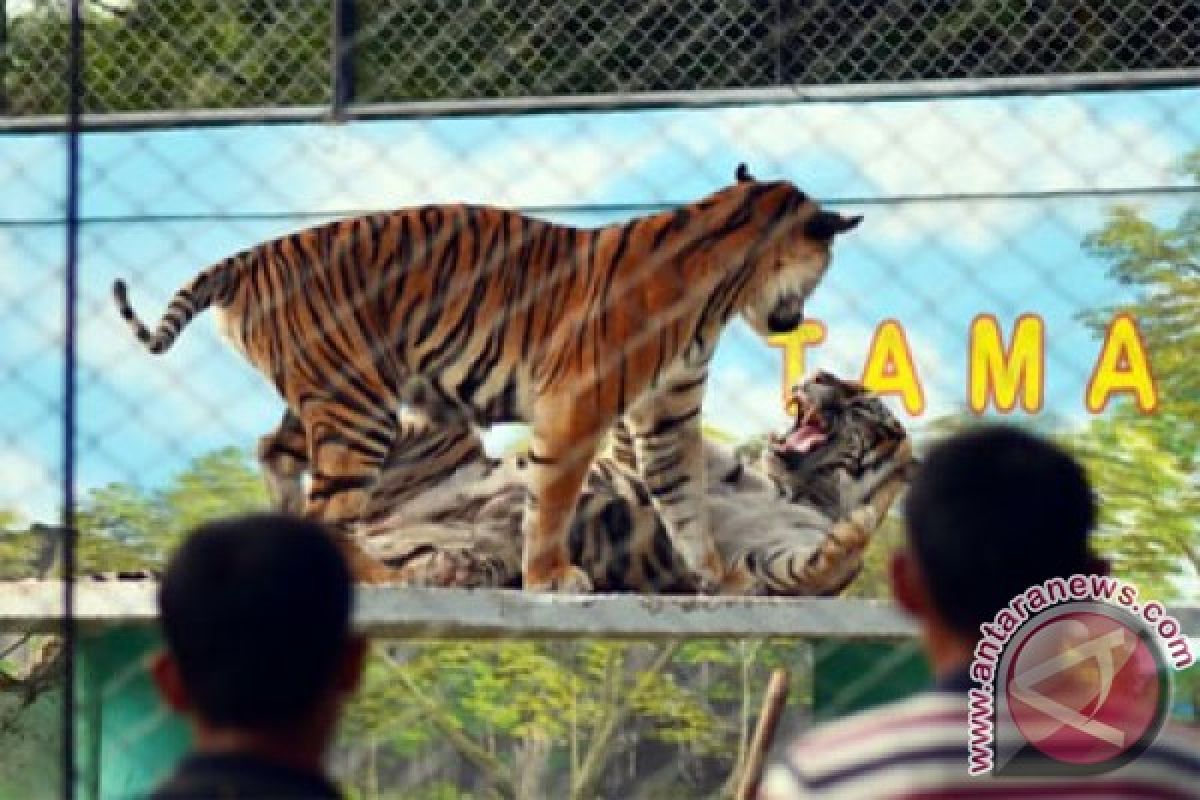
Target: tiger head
[(793, 256), (845, 443)]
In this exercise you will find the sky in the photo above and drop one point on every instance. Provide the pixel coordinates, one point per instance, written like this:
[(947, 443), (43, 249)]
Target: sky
[(160, 206)]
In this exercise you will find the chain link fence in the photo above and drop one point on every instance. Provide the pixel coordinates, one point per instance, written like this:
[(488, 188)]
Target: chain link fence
[(1066, 201), (234, 54)]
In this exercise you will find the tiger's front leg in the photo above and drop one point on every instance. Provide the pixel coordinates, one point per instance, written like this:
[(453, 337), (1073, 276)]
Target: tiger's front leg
[(559, 459), (837, 560), (669, 444)]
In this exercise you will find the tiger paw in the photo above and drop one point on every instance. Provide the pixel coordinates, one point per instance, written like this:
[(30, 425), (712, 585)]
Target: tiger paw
[(709, 578), (740, 581), (569, 580), (864, 518), (445, 569), (375, 574), (706, 584)]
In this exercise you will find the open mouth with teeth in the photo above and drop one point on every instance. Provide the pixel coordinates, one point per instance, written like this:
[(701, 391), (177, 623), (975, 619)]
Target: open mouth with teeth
[(809, 433)]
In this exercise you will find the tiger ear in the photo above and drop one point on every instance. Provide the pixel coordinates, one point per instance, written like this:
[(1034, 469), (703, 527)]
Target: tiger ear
[(743, 174), (827, 224)]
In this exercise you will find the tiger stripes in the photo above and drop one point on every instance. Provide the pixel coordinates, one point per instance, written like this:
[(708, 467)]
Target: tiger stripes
[(510, 318), (785, 524)]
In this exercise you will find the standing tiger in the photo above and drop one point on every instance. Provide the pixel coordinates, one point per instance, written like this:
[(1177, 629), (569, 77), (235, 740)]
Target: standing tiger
[(511, 318), (795, 521)]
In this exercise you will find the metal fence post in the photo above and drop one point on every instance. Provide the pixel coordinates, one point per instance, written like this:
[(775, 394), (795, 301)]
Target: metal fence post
[(342, 58), (3, 56), (75, 89)]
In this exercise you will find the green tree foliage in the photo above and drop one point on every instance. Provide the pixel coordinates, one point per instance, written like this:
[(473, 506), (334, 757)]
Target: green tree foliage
[(125, 527), (1145, 466), (176, 55), (142, 54), (573, 719)]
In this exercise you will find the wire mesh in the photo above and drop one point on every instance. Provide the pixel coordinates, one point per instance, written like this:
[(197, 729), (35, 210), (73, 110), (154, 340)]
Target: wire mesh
[(1070, 207), (232, 54)]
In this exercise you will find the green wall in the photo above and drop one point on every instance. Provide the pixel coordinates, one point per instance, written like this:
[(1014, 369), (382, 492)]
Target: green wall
[(127, 741)]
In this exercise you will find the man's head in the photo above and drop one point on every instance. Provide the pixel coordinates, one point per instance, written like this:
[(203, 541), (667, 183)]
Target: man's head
[(990, 513), (256, 617)]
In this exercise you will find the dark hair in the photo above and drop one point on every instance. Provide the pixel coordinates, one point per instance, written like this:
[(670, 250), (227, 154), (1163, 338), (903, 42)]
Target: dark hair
[(992, 512), (256, 612)]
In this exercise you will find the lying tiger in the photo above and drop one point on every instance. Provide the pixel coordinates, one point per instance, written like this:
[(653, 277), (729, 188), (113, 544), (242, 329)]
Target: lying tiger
[(795, 523)]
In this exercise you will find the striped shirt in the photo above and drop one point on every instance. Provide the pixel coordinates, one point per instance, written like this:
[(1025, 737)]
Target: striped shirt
[(917, 748)]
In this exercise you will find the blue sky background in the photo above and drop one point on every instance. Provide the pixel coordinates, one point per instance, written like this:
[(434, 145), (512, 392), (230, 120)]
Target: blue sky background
[(159, 206)]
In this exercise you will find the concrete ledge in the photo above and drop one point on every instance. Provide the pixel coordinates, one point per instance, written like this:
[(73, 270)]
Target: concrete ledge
[(469, 614), (494, 613), (449, 613)]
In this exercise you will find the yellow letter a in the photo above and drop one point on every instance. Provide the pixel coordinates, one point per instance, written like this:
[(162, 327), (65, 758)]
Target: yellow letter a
[(889, 368), (1123, 366)]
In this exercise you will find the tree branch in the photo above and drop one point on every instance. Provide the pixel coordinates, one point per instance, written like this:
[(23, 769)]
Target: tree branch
[(497, 773), (601, 745), (749, 772), (746, 659)]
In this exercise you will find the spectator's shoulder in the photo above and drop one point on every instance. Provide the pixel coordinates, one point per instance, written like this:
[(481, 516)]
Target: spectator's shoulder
[(929, 712), (919, 745), (851, 747)]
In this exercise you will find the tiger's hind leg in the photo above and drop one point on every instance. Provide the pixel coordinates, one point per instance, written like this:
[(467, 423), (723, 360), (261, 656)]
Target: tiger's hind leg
[(346, 459), (283, 457), (433, 441)]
